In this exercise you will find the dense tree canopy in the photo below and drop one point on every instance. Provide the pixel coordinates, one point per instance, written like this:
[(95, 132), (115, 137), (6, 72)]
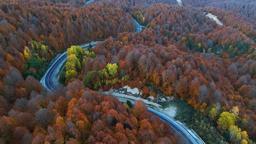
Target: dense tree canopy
[(181, 52), (78, 115), (32, 32), (202, 79)]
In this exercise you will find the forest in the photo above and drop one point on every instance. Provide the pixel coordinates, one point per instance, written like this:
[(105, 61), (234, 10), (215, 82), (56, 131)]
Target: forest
[(77, 115), (30, 37), (181, 52), (205, 81), (210, 67)]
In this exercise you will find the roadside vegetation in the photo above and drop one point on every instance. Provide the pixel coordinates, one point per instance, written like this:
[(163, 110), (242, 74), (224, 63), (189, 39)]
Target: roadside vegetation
[(37, 57), (76, 56), (212, 125), (106, 77), (199, 122)]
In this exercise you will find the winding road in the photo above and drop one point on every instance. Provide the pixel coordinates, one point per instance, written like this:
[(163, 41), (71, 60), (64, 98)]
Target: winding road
[(50, 81), (87, 2)]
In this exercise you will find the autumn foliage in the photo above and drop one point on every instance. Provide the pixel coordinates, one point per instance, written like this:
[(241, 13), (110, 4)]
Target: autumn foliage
[(56, 26), (174, 54), (181, 52), (77, 115), (32, 32)]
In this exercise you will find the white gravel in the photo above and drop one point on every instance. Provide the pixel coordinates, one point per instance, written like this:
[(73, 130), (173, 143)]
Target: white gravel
[(214, 18), (170, 111), (134, 91)]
